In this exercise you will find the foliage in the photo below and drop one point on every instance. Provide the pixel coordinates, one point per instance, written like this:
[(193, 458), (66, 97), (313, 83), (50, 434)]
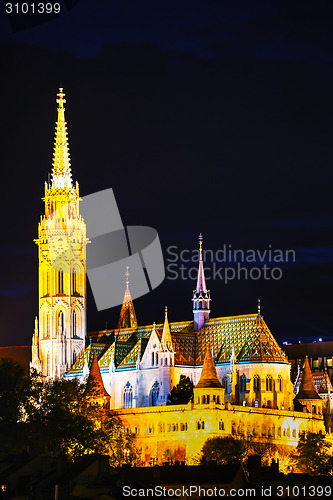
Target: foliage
[(314, 454), (61, 417), (223, 450), (118, 444), (182, 393), (14, 392)]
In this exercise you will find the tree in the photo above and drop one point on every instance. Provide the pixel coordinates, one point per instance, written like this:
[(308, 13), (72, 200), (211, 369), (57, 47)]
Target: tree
[(61, 421), (14, 392), (182, 393), (223, 450), (14, 395), (314, 454), (117, 443)]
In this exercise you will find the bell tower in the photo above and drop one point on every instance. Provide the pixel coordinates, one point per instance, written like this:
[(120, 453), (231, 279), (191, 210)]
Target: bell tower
[(60, 333)]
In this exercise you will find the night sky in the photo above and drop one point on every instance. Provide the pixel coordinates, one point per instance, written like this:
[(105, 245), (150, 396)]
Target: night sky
[(203, 116)]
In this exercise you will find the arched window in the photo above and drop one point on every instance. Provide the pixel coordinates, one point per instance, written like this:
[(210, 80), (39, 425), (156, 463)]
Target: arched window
[(60, 281), (128, 395), (269, 383), (156, 359), (46, 290), (47, 324), (61, 322), (74, 280), (155, 390), (243, 383), (280, 383), (74, 321), (225, 383), (152, 358), (221, 425), (256, 383), (48, 370)]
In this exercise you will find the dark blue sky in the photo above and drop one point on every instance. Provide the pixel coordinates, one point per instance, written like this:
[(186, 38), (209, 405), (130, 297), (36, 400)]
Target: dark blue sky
[(202, 116)]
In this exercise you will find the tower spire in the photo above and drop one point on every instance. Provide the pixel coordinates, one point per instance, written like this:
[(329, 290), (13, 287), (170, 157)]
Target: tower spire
[(201, 296), (127, 318), (166, 340), (61, 171)]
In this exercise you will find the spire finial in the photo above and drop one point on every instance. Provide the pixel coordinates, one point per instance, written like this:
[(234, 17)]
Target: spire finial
[(200, 241), (61, 101), (127, 277), (259, 315)]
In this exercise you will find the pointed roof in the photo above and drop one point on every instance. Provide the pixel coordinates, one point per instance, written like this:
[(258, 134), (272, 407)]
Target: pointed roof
[(127, 317), (95, 382), (307, 389), (326, 384), (166, 340), (61, 171), (201, 282), (208, 377), (260, 345)]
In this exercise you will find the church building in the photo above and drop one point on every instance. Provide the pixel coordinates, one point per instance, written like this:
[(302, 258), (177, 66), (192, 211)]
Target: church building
[(240, 374)]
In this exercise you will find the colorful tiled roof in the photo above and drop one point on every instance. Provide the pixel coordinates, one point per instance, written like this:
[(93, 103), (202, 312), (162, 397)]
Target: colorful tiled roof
[(247, 334)]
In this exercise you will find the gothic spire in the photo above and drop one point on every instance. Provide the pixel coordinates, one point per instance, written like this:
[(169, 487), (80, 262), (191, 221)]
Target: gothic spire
[(201, 296), (166, 340), (127, 318), (61, 171), (201, 282)]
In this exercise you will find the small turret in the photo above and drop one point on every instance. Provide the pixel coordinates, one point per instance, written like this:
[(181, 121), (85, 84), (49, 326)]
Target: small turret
[(307, 398), (209, 388)]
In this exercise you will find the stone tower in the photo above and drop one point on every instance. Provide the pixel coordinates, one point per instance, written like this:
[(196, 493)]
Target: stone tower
[(59, 335)]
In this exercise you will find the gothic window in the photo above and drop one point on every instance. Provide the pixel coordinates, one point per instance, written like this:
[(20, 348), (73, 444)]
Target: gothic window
[(243, 383), (269, 383), (280, 383), (74, 323), (128, 395), (221, 425), (256, 383), (225, 383), (47, 324), (74, 280), (74, 356), (156, 358), (152, 358), (217, 400), (60, 281), (155, 390), (48, 371), (46, 290), (61, 322)]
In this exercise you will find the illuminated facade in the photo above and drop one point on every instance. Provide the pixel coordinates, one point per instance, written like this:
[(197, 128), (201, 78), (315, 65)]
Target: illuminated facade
[(241, 375), (60, 329)]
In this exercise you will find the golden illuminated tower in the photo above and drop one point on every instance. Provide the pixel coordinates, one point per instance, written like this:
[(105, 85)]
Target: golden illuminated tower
[(59, 335)]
